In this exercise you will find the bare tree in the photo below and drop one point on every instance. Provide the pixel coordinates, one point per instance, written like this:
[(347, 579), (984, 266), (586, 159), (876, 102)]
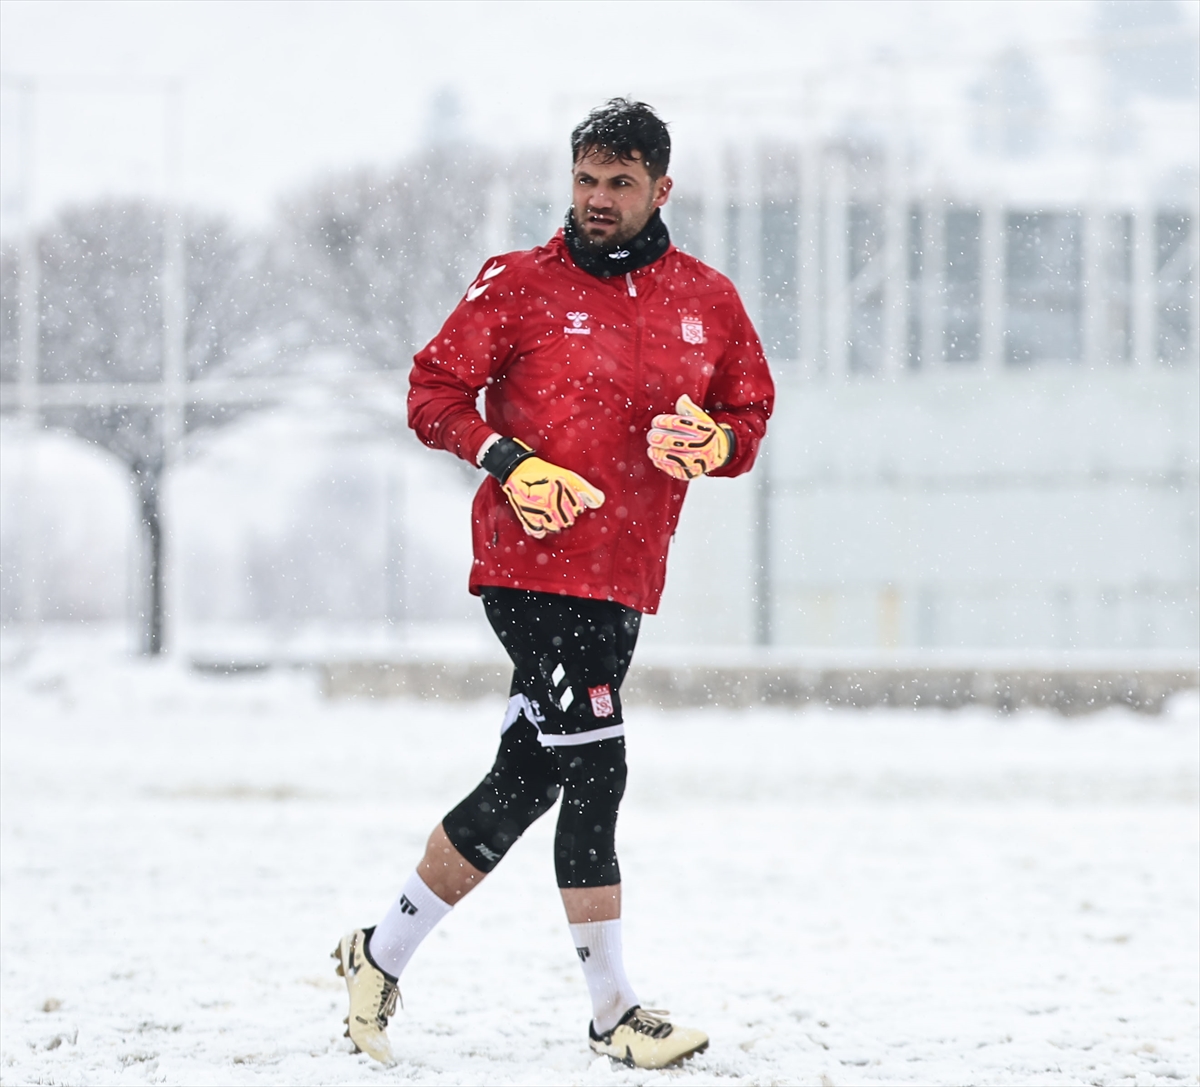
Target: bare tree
[(375, 260), (102, 322), (372, 261)]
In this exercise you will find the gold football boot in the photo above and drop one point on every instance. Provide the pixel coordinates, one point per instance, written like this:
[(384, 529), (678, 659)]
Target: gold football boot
[(645, 1038), (373, 996)]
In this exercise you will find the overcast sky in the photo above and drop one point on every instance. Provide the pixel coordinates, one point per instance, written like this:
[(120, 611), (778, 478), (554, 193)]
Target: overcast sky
[(276, 93)]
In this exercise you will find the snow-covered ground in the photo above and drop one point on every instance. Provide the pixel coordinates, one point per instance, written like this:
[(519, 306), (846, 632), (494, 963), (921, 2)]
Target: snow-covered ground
[(837, 897)]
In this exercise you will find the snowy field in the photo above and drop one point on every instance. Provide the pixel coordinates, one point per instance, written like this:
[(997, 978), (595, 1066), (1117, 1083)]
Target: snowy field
[(836, 897)]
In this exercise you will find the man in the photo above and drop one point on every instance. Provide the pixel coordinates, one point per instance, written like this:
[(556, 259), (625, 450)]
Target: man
[(616, 369)]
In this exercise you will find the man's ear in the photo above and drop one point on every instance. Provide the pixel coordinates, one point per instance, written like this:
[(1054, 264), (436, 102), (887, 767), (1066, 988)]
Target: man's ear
[(662, 190)]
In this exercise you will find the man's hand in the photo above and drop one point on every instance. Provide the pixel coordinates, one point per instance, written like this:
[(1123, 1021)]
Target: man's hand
[(545, 498), (690, 443)]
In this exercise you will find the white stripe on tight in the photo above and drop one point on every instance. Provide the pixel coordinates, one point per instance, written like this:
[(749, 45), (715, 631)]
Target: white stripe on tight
[(548, 740)]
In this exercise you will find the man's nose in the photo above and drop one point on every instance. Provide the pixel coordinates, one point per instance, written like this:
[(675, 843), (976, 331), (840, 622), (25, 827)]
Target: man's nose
[(599, 198)]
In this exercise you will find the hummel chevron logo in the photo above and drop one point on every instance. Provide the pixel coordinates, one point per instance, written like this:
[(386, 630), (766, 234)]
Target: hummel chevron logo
[(482, 284), (491, 854), (584, 953), (562, 689), (406, 905)]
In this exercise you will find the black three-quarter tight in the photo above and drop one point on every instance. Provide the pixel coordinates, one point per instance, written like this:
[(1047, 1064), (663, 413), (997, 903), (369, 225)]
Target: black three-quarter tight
[(563, 733)]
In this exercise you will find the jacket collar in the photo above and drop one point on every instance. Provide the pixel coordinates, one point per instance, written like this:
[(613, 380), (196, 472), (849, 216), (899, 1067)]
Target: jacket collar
[(644, 248)]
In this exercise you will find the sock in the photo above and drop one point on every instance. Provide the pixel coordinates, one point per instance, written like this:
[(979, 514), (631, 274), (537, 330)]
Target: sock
[(598, 945), (412, 917)]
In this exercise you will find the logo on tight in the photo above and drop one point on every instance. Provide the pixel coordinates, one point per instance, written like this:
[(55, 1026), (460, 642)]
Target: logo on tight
[(406, 905), (584, 953), (491, 854), (602, 704)]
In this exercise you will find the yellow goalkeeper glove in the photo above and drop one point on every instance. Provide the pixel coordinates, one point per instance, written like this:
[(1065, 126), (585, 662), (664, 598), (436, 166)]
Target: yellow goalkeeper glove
[(545, 497), (689, 443)]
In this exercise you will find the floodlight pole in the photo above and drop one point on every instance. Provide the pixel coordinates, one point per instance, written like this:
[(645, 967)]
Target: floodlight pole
[(29, 334), (894, 255), (839, 290), (992, 285), (933, 273), (174, 287), (173, 374), (810, 257), (1144, 287)]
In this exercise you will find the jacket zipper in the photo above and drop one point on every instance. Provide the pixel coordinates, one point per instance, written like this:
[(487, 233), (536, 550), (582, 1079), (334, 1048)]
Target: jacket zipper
[(631, 444)]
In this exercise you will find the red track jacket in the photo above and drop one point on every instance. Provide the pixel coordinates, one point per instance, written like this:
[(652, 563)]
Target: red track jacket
[(577, 367)]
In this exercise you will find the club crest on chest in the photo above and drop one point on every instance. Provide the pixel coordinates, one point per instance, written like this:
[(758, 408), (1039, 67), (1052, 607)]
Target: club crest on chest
[(691, 328)]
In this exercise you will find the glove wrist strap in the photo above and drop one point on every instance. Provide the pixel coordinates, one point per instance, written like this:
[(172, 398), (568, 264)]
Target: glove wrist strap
[(503, 457)]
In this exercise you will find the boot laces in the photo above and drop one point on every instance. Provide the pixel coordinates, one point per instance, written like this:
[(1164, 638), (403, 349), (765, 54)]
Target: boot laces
[(651, 1021), (387, 997), (387, 1007)]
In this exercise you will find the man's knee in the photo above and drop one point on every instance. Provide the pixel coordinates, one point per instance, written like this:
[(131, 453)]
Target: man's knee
[(593, 776), (521, 786)]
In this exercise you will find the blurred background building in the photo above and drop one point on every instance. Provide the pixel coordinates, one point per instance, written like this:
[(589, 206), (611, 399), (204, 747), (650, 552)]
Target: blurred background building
[(974, 271)]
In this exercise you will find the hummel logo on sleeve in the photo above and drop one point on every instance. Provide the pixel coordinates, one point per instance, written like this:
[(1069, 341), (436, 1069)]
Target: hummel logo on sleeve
[(491, 854), (406, 905)]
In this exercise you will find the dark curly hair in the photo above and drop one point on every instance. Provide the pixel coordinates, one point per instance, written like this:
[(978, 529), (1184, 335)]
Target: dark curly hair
[(624, 129)]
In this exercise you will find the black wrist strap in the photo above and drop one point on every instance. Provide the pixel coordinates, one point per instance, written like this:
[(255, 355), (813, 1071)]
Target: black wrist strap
[(503, 457)]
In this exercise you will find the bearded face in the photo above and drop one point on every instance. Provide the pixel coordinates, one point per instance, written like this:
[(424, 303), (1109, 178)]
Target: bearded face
[(612, 198)]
